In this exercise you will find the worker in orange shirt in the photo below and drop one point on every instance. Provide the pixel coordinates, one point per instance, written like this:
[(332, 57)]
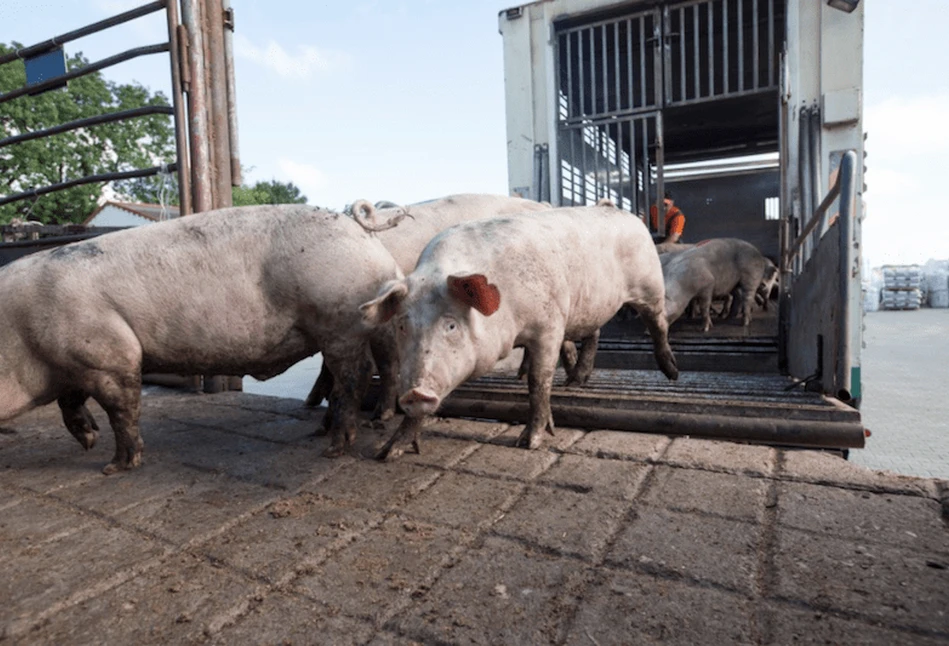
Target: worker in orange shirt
[(675, 220)]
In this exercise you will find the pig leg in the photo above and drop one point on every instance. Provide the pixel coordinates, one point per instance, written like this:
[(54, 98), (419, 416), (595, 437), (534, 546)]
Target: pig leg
[(324, 428), (704, 300), (540, 379), (568, 355), (387, 364), (524, 368), (352, 380), (655, 321), (409, 426), (748, 304), (583, 364), (78, 419), (321, 388), (120, 395)]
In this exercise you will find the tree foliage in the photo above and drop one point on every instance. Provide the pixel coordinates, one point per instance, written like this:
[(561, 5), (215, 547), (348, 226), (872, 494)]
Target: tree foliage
[(272, 192), (135, 143)]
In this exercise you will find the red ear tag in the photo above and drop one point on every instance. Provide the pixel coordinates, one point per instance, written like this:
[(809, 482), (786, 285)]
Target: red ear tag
[(475, 291)]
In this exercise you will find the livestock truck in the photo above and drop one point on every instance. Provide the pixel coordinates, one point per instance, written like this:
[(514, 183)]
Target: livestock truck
[(750, 113)]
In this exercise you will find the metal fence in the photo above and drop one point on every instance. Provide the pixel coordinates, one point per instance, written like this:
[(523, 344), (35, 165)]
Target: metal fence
[(207, 159), (54, 44), (616, 76)]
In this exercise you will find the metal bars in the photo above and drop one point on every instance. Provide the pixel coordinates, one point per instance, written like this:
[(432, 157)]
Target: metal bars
[(721, 48), (52, 43), (608, 159), (607, 68)]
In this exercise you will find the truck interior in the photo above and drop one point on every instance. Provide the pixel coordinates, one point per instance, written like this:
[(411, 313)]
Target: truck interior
[(680, 97)]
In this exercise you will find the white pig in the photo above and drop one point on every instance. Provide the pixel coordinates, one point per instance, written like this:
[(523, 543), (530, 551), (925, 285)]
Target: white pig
[(482, 288), (714, 268), (249, 290), (404, 231)]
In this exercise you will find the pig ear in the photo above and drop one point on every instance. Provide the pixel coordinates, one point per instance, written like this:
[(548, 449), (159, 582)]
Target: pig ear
[(386, 304), (475, 291)]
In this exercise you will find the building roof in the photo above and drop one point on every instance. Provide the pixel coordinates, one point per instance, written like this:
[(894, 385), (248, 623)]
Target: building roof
[(148, 211)]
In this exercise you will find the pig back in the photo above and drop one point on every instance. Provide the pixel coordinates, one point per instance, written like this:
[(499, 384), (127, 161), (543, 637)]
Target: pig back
[(219, 288), (407, 240), (578, 264)]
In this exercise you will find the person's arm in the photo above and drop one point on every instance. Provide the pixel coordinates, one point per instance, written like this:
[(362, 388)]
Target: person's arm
[(675, 228)]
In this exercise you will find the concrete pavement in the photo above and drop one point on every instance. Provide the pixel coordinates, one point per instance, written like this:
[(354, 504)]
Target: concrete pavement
[(905, 380), (236, 531)]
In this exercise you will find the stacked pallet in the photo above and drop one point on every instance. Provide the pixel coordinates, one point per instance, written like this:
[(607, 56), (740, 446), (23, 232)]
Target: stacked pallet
[(937, 282), (902, 287)]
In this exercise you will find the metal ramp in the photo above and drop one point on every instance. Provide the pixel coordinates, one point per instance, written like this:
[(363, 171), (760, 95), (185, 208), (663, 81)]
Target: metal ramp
[(752, 407)]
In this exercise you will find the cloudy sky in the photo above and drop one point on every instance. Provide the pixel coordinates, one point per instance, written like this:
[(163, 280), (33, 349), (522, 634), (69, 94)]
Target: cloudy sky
[(404, 100)]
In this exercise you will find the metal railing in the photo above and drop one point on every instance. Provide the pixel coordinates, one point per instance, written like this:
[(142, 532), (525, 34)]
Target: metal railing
[(52, 44)]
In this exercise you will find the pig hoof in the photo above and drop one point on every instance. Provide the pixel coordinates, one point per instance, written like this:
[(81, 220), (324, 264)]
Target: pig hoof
[(529, 439), (119, 464), (333, 452), (87, 438), (389, 453)]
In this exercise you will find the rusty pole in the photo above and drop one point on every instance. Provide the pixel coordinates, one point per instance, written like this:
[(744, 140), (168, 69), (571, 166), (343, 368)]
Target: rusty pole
[(201, 197), (219, 127), (197, 107), (178, 104), (218, 105), (236, 178)]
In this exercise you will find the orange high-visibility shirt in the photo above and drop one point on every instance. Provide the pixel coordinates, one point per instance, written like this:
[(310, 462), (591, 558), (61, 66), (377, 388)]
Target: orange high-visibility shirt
[(675, 220)]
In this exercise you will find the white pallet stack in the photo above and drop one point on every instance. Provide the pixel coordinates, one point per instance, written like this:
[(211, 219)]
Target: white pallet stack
[(902, 287), (937, 282)]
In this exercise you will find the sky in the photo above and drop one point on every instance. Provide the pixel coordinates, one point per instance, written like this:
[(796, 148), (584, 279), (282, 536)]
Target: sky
[(404, 100)]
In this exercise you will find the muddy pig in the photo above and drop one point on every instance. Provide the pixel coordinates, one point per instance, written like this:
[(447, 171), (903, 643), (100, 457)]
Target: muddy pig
[(482, 288), (714, 268), (248, 290), (404, 231)]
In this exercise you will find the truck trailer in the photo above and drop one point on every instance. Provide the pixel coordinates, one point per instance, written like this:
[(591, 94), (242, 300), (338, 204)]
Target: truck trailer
[(750, 113)]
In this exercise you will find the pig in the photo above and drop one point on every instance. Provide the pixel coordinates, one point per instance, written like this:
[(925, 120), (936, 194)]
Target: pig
[(714, 268), (405, 231), (248, 290), (482, 288)]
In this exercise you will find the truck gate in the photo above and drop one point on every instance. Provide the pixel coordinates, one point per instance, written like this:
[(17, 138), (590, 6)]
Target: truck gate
[(719, 101)]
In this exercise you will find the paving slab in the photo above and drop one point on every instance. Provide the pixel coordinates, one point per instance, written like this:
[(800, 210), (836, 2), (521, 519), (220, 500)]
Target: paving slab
[(290, 535), (628, 608), (564, 521), (894, 586), (503, 593), (720, 494), (707, 549), (610, 478), (379, 572), (236, 530), (620, 445), (285, 618)]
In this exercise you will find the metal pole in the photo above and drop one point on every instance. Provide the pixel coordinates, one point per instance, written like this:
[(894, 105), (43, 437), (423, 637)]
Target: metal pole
[(236, 178), (197, 108), (218, 116), (804, 175), (178, 104), (846, 223), (199, 135)]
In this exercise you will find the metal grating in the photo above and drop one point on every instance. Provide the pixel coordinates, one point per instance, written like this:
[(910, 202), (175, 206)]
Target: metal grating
[(720, 49)]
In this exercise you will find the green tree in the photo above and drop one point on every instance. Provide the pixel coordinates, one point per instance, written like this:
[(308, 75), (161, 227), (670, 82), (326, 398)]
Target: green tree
[(272, 192), (136, 143)]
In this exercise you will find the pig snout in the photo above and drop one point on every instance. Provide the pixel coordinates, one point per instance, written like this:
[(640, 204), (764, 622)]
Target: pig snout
[(418, 402)]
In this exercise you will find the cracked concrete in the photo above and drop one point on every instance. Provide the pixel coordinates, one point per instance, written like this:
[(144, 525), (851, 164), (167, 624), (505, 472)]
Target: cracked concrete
[(235, 530)]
